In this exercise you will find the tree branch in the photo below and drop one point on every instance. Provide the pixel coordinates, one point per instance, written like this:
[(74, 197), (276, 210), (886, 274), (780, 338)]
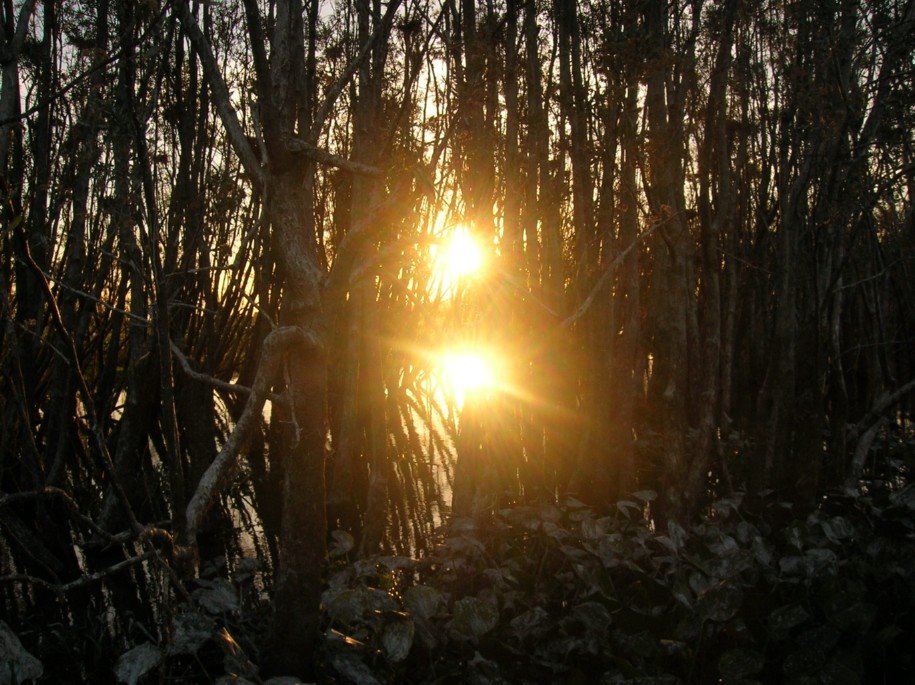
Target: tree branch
[(9, 51), (605, 277), (216, 383), (323, 157), (82, 581), (883, 403), (220, 92), (220, 472), (330, 99), (95, 427)]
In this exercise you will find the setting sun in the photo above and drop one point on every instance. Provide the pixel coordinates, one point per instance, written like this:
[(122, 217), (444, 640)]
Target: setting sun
[(463, 254), (468, 372), (458, 257)]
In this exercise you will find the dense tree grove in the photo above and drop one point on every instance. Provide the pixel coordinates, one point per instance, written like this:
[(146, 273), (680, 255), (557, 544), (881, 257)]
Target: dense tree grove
[(224, 312)]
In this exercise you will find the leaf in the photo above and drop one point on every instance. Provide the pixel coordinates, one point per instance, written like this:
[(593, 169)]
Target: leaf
[(668, 543), (190, 631), (903, 498), (844, 612), (805, 661), (351, 668), (699, 583), (762, 551), (345, 606), (397, 639), (792, 566), (396, 563), (465, 545), (216, 596), (473, 618), (533, 622), (16, 664), (422, 600), (379, 600), (819, 560), (551, 513), (342, 543), (837, 529), (785, 618), (523, 517), (746, 532), (822, 637), (351, 605), (247, 567), (137, 662), (721, 603), (795, 537), (725, 506), (593, 615), (724, 547), (554, 531), (837, 673), (645, 495), (625, 506), (740, 663), (592, 529), (676, 533), (576, 553)]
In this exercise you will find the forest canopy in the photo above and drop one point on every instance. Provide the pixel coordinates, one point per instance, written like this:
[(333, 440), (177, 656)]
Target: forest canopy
[(370, 341)]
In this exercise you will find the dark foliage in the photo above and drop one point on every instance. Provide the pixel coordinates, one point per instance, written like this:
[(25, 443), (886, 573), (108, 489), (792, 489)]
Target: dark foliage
[(565, 594), (228, 314)]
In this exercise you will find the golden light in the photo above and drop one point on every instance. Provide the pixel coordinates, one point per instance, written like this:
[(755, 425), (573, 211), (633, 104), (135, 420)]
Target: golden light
[(458, 257), (467, 373), (463, 254)]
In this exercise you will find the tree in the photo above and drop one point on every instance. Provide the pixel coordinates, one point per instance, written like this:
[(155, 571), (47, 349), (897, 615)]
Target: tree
[(226, 324)]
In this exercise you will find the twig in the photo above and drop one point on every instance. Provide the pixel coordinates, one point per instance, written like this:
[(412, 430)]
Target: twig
[(52, 492), (76, 80), (220, 93), (883, 403), (605, 277), (334, 91), (213, 382), (37, 337), (93, 298), (95, 428), (220, 472), (324, 157), (82, 581)]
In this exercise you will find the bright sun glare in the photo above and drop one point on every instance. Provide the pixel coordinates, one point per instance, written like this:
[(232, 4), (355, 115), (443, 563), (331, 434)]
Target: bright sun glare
[(459, 257), (464, 256), (467, 372)]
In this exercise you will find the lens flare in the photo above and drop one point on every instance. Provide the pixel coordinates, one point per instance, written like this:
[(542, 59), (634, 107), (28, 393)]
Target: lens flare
[(458, 257), (467, 372), (463, 255)]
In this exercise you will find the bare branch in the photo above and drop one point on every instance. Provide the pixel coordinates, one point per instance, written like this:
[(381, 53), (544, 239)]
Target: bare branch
[(324, 157), (330, 99), (222, 469), (95, 427), (216, 383), (82, 581), (881, 406), (11, 51), (605, 277), (220, 93)]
